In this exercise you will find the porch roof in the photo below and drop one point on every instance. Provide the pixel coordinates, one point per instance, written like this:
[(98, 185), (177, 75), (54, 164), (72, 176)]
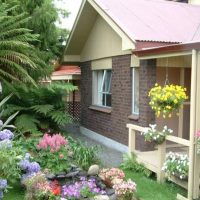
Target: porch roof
[(183, 47), (67, 70)]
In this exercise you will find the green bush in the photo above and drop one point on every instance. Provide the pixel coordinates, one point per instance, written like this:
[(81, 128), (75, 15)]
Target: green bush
[(130, 163), (40, 109), (83, 156)]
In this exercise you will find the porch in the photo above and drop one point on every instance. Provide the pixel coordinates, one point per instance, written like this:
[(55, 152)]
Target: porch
[(185, 71)]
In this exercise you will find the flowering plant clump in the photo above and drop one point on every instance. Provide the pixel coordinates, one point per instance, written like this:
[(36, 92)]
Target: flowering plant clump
[(6, 135), (112, 175), (125, 189), (153, 135), (81, 189), (54, 142), (167, 99), (30, 168), (198, 142), (53, 153), (176, 165), (37, 187)]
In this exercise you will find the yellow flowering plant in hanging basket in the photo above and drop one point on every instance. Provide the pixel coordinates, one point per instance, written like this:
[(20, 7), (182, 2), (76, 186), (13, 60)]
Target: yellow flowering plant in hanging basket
[(167, 99)]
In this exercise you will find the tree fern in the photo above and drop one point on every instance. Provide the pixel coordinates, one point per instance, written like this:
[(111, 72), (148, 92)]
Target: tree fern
[(18, 56), (43, 106)]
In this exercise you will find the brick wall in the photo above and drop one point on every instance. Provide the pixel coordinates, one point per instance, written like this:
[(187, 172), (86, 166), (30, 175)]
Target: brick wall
[(113, 125)]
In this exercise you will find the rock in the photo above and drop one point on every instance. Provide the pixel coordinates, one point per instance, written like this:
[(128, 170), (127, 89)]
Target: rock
[(101, 197), (82, 173), (50, 176), (113, 197), (71, 174), (93, 170), (110, 192)]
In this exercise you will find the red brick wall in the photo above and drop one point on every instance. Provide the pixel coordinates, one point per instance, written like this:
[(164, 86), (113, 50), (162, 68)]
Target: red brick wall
[(113, 125)]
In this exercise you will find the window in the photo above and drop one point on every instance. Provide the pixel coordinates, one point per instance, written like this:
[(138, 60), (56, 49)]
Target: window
[(102, 87), (135, 91)]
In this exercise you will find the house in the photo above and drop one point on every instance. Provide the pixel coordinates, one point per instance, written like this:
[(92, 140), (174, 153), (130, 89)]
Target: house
[(70, 74), (107, 40), (123, 49)]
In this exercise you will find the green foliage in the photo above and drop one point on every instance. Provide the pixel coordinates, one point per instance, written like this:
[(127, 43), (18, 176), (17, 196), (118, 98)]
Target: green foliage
[(40, 108), (86, 193), (130, 163), (19, 60), (55, 162), (44, 15), (83, 156), (9, 159)]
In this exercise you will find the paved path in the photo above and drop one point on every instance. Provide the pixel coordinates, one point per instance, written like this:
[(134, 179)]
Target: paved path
[(109, 157)]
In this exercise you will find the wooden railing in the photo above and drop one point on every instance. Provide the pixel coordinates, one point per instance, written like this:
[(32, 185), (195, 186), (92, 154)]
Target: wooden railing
[(161, 148)]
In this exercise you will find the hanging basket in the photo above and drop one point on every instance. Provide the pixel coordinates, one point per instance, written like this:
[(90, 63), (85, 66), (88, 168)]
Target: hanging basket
[(166, 100)]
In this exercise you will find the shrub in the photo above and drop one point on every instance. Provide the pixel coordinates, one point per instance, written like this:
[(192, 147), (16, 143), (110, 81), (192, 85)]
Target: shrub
[(83, 156), (125, 190), (52, 153), (38, 188), (110, 176), (40, 109), (130, 163)]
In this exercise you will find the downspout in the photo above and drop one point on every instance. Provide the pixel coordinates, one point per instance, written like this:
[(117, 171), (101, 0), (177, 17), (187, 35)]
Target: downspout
[(192, 123)]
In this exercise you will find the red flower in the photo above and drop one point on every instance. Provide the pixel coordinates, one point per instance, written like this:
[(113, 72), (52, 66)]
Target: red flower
[(56, 191)]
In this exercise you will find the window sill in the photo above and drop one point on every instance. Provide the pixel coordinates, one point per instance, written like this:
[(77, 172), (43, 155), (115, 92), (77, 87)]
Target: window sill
[(134, 117), (101, 109)]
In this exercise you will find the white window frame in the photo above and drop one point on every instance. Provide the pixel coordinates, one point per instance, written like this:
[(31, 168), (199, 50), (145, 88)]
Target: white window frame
[(133, 91), (98, 92)]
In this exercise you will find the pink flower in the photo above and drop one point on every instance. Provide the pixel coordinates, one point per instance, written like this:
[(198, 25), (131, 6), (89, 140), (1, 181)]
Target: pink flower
[(198, 133), (54, 142), (61, 155)]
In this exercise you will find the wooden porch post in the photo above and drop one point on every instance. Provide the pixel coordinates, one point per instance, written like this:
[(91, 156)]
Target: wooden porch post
[(161, 157), (197, 127), (192, 124), (131, 140)]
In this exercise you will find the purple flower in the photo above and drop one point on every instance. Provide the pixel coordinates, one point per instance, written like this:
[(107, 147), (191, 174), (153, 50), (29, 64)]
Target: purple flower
[(33, 167), (1, 194), (24, 164), (5, 144), (74, 190), (3, 184), (6, 134), (29, 167)]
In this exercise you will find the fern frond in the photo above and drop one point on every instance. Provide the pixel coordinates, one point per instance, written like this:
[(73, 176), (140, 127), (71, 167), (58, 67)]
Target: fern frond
[(26, 123), (60, 117), (43, 109)]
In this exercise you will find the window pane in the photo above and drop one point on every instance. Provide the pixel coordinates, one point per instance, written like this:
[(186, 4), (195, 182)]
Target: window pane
[(99, 85), (135, 90), (108, 100), (107, 81)]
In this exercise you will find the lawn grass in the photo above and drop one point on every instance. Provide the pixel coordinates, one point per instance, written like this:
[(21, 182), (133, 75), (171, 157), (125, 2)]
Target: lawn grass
[(149, 189), (15, 193)]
